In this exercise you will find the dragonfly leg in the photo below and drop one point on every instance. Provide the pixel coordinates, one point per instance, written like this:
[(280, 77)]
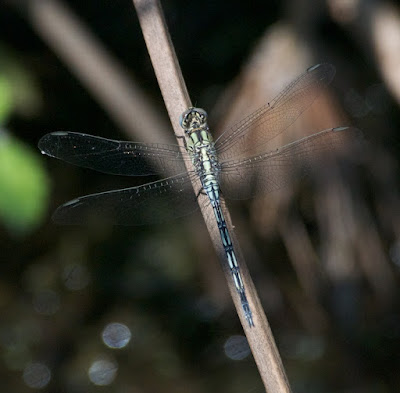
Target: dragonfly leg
[(200, 192), (184, 140)]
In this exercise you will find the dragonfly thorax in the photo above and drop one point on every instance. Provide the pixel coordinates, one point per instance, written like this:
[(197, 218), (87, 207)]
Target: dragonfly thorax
[(199, 142)]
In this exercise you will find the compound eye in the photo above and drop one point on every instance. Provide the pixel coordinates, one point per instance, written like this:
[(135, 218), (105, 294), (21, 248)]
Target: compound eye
[(203, 113), (181, 120)]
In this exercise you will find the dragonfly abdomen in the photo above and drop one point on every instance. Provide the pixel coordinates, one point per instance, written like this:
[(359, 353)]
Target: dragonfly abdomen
[(212, 190)]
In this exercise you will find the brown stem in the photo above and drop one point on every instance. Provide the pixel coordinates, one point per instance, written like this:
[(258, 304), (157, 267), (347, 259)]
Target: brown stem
[(176, 99)]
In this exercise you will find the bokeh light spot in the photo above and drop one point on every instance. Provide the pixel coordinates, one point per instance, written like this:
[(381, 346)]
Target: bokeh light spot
[(116, 335), (237, 348), (102, 372), (76, 277), (46, 302), (36, 375)]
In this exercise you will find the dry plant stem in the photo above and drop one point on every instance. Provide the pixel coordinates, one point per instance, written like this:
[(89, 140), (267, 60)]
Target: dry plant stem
[(177, 100)]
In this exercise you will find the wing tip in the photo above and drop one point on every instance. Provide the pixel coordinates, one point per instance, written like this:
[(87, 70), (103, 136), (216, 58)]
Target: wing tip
[(328, 70), (42, 144), (342, 128), (59, 216), (46, 142)]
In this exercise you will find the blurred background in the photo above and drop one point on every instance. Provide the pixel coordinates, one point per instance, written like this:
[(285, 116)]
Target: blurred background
[(146, 309)]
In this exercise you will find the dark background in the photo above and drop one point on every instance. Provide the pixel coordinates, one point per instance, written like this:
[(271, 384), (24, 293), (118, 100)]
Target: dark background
[(61, 286)]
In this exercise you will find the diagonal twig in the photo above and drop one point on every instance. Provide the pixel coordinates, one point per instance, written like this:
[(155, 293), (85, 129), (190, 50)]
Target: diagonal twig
[(98, 71), (177, 100)]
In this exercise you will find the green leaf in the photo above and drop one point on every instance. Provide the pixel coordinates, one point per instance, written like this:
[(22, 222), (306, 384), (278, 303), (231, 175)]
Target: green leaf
[(6, 101), (19, 93), (24, 186)]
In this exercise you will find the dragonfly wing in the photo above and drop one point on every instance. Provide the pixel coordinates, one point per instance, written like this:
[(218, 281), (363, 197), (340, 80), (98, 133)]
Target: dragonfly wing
[(244, 178), (150, 203), (272, 119), (113, 157)]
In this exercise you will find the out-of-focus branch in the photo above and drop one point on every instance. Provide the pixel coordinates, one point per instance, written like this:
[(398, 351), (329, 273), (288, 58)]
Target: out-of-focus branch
[(380, 22), (97, 70)]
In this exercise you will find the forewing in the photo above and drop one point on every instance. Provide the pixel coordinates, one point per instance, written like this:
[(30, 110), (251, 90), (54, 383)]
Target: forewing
[(254, 131), (111, 156)]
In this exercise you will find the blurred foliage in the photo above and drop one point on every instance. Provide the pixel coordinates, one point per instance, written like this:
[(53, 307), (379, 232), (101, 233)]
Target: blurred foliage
[(19, 93), (24, 186), (6, 102)]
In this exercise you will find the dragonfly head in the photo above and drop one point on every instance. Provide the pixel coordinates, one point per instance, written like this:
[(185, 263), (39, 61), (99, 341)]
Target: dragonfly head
[(193, 119)]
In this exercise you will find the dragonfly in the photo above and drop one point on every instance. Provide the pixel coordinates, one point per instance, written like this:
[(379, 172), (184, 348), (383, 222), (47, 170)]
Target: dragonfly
[(223, 166)]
